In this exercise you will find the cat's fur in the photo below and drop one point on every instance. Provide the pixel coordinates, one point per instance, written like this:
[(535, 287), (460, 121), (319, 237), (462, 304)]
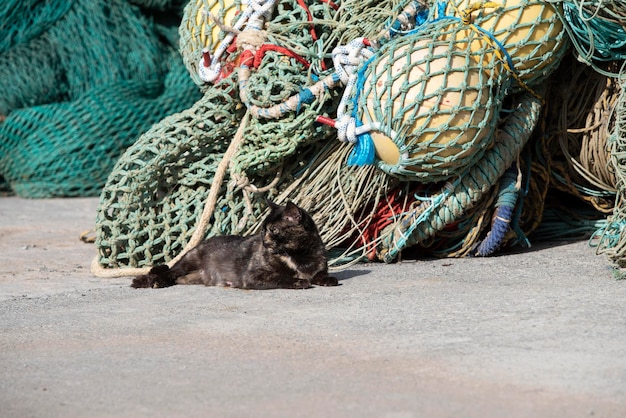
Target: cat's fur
[(287, 253)]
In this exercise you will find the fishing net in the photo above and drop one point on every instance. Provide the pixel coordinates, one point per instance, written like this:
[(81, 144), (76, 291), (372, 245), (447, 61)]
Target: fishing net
[(267, 75), (447, 206), (81, 80), (579, 126), (597, 29), (598, 32), (529, 34), (573, 182), (432, 107)]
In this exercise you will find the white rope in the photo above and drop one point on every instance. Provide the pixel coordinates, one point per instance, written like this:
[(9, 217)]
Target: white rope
[(347, 59)]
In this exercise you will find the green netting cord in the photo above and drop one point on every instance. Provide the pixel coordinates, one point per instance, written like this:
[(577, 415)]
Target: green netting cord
[(597, 29), (153, 197), (26, 19), (153, 200)]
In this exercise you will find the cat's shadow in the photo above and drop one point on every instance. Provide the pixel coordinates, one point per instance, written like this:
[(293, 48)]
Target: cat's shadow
[(348, 274)]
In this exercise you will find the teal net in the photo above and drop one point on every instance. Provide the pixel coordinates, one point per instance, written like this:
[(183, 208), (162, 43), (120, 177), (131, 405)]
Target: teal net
[(81, 81)]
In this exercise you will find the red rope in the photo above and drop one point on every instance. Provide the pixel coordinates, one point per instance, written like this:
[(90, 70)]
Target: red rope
[(309, 17), (325, 120), (258, 57), (331, 4), (247, 58), (393, 205)]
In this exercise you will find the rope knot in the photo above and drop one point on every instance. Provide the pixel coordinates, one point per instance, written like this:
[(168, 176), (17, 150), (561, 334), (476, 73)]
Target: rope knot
[(466, 14), (346, 129), (347, 58), (251, 38)]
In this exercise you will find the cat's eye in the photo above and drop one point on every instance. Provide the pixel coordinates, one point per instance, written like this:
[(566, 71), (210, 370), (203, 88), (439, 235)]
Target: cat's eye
[(274, 230)]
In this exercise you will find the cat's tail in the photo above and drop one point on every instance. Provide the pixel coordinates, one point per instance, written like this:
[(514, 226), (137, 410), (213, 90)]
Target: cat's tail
[(158, 276)]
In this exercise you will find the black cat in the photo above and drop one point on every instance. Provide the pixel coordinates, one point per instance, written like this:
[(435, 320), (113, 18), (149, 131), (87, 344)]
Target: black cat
[(287, 253)]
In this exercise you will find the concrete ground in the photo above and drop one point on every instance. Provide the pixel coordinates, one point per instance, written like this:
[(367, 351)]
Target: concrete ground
[(535, 334)]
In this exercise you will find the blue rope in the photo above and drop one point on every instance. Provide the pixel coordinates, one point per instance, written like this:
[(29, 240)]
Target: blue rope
[(306, 97), (363, 152), (505, 206), (499, 227)]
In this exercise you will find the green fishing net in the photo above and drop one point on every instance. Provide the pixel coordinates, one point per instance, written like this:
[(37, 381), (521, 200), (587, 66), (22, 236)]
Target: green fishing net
[(81, 80)]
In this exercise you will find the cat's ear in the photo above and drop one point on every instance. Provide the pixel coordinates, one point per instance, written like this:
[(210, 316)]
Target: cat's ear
[(292, 212), (271, 204)]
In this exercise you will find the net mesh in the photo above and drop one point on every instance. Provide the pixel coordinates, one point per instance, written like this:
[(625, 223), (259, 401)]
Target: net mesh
[(269, 148), (432, 98)]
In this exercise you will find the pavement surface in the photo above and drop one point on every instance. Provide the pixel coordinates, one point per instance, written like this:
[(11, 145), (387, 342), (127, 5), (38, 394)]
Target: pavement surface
[(540, 333)]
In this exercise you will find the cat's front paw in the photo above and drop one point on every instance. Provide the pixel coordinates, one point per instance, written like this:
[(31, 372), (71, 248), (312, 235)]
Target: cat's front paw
[(156, 278), (324, 280), (142, 281), (301, 284)]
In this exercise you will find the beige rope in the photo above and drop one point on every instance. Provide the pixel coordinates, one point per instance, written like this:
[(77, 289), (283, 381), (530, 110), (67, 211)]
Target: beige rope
[(209, 208)]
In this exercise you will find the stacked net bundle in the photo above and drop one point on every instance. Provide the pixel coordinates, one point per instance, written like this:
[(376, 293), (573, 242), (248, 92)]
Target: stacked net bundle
[(79, 85), (579, 126), (207, 170), (69, 148), (571, 186), (611, 238), (160, 184), (586, 156)]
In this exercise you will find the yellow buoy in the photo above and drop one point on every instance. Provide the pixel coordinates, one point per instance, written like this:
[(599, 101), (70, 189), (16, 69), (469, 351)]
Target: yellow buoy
[(205, 28), (530, 31), (436, 104)]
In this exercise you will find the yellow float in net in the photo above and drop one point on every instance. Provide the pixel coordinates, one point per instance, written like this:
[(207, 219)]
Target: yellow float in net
[(203, 27)]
